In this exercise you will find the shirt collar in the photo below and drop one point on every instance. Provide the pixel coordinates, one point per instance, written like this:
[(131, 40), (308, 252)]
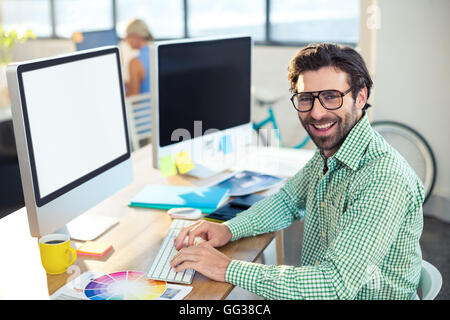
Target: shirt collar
[(354, 146)]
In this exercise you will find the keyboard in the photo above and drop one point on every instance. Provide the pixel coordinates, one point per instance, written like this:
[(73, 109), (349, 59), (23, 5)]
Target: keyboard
[(160, 268)]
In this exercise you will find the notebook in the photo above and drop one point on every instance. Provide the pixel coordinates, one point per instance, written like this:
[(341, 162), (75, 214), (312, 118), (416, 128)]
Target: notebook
[(167, 197)]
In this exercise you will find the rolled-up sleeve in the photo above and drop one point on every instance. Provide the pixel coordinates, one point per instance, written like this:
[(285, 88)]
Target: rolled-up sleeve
[(275, 212)]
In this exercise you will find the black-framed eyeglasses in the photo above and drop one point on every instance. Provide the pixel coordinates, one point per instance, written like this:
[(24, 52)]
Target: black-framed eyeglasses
[(329, 99)]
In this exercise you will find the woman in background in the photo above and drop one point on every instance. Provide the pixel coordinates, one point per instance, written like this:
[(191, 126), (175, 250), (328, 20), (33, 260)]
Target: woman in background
[(138, 37)]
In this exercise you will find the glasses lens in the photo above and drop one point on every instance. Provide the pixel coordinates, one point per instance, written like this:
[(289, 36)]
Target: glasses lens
[(331, 99), (304, 101)]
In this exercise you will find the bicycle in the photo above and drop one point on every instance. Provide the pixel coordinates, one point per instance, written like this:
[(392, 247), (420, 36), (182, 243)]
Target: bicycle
[(269, 103)]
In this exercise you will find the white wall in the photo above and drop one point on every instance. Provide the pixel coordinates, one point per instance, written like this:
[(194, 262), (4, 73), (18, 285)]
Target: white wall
[(35, 49), (412, 77), (270, 80)]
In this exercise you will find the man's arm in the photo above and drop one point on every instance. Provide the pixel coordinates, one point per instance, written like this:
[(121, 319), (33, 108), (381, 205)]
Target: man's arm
[(277, 211), (369, 227), (272, 213)]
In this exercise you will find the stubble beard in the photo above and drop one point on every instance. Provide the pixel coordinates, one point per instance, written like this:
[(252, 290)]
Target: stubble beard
[(342, 127)]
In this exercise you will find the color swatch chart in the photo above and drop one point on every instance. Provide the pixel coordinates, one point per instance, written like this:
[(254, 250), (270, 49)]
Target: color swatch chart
[(124, 285)]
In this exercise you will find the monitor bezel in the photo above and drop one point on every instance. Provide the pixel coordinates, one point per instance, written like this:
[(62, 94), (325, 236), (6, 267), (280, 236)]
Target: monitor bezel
[(41, 64)]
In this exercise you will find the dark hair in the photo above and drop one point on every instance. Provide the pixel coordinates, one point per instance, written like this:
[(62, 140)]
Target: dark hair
[(315, 56)]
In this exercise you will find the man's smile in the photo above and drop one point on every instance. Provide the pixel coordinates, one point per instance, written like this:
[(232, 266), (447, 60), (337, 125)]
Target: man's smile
[(322, 129)]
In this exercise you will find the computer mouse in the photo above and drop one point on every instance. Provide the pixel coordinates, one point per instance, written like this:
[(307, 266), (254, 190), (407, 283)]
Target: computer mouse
[(185, 213)]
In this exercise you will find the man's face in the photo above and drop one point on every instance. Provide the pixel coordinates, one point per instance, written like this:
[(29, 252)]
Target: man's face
[(328, 128)]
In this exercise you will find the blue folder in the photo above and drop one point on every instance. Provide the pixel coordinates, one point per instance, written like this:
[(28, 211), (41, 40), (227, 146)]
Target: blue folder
[(167, 197)]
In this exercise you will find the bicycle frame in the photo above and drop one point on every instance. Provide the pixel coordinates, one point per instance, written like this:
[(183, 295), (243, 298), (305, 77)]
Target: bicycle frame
[(271, 119)]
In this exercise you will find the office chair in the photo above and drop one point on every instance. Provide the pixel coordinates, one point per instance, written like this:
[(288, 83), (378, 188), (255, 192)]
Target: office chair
[(139, 115), (430, 282)]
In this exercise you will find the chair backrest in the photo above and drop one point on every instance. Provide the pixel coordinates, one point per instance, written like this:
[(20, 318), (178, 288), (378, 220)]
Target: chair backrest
[(430, 281), (139, 114)]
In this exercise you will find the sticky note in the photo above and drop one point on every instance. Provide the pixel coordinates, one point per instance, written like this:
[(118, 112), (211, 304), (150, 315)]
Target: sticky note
[(225, 144), (184, 162), (94, 248), (167, 166)]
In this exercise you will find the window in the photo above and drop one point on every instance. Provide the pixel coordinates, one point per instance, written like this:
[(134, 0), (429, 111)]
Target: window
[(164, 18), (206, 17), (291, 22), (319, 20), (82, 15), (27, 14)]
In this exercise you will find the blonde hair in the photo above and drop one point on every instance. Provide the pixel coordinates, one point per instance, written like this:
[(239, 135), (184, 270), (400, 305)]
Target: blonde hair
[(139, 27)]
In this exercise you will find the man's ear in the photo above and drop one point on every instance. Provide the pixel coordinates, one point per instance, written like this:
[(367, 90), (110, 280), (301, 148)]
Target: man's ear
[(361, 98)]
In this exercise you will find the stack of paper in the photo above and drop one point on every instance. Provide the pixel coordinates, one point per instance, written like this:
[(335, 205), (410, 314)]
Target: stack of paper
[(248, 182), (167, 197)]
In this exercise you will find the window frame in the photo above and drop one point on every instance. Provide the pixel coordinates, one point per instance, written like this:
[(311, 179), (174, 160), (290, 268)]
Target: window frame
[(268, 41)]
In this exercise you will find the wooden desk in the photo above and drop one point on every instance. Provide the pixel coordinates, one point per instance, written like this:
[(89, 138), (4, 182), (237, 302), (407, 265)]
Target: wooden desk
[(136, 240)]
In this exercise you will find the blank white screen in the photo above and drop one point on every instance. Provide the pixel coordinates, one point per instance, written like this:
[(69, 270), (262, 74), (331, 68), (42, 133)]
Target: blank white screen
[(75, 118)]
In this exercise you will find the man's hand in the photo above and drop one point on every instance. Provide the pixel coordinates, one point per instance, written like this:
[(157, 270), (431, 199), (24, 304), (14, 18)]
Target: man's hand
[(215, 234), (202, 258)]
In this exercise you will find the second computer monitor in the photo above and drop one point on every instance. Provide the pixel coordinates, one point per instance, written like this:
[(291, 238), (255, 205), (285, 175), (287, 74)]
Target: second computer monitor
[(94, 39), (201, 95)]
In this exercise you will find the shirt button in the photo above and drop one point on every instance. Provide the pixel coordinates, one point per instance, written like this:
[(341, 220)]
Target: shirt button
[(324, 235), (322, 204), (317, 263)]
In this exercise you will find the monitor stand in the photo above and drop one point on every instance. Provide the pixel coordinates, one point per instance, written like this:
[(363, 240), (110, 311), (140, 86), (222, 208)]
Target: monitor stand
[(88, 227)]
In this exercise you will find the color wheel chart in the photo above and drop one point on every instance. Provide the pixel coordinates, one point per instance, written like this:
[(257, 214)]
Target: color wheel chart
[(124, 285)]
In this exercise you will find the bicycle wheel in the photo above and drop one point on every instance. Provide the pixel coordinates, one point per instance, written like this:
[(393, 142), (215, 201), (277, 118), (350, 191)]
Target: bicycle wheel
[(413, 147)]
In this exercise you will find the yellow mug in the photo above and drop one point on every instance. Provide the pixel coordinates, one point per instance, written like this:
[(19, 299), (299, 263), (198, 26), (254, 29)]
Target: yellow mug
[(56, 253)]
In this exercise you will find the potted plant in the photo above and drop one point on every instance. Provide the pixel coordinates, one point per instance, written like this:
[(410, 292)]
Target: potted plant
[(8, 39)]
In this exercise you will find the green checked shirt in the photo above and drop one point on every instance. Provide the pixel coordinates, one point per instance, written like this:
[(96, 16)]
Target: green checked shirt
[(363, 221)]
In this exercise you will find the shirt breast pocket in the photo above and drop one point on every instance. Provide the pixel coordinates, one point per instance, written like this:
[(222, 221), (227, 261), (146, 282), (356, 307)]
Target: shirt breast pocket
[(334, 213)]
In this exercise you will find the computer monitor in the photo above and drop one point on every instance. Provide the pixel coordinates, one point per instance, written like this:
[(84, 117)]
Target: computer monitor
[(201, 99), (71, 134), (94, 39)]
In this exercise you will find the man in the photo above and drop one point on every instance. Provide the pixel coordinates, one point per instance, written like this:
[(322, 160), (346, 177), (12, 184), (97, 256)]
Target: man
[(361, 202)]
